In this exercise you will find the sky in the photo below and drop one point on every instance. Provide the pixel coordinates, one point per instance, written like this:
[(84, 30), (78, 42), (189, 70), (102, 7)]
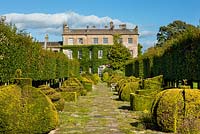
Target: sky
[(40, 17)]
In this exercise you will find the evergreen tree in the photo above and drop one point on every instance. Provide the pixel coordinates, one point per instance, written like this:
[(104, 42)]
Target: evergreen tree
[(118, 54)]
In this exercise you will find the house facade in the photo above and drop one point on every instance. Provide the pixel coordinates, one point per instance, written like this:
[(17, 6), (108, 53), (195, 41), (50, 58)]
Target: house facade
[(90, 46), (94, 36)]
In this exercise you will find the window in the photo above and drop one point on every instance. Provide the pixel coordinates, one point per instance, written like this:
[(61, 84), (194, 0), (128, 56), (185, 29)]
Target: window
[(90, 54), (80, 40), (68, 53), (95, 40), (100, 54), (130, 40), (79, 54), (100, 71), (70, 41), (105, 40)]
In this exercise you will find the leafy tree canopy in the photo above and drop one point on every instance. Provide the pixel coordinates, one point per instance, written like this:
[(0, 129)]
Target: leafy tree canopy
[(171, 30), (118, 54)]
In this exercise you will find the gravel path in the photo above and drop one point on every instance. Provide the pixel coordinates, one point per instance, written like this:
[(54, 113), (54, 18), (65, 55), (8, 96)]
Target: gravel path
[(100, 113)]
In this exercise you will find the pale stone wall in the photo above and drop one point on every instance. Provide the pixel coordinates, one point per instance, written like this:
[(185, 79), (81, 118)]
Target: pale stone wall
[(88, 40)]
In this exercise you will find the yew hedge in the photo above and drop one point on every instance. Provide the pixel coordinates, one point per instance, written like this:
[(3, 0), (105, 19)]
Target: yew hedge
[(19, 51), (177, 59)]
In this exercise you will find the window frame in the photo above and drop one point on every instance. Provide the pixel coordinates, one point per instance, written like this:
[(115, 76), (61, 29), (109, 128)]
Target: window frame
[(95, 40), (100, 54), (130, 40), (105, 38)]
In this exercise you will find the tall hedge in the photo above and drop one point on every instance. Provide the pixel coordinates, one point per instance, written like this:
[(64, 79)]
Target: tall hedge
[(177, 59), (19, 51)]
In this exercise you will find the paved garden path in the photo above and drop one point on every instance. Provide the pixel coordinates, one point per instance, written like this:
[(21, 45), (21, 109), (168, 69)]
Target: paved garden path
[(100, 113)]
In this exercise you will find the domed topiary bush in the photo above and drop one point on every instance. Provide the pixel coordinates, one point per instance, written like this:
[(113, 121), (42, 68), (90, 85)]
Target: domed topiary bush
[(26, 110), (55, 97), (178, 110), (128, 88), (72, 85)]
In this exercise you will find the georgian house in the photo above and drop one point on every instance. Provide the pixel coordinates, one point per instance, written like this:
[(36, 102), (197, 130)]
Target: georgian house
[(90, 45)]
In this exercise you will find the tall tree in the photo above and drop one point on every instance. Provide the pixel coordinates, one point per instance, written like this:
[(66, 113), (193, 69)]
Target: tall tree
[(118, 54), (171, 30)]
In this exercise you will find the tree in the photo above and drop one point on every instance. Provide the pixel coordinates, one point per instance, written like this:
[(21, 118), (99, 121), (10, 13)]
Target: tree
[(171, 30), (118, 54), (140, 49)]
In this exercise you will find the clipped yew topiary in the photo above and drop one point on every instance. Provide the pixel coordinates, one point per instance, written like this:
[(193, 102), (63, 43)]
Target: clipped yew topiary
[(154, 83), (71, 89), (140, 102), (72, 85), (178, 110), (55, 97), (128, 88), (26, 110)]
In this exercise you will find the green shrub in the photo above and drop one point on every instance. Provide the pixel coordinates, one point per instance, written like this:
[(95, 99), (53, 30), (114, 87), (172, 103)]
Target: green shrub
[(105, 77), (71, 85), (87, 85), (23, 81), (86, 81), (84, 92), (55, 97), (26, 110), (140, 102), (149, 92), (128, 88), (95, 78), (178, 110), (153, 83), (69, 96)]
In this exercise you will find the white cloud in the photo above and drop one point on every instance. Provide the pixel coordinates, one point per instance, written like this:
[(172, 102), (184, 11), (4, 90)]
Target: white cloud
[(144, 34), (52, 23), (38, 24)]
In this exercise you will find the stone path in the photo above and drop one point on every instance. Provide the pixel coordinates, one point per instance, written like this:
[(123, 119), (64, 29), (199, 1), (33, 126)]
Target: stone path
[(100, 113)]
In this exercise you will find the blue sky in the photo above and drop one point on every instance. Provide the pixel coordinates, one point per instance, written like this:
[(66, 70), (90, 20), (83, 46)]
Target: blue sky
[(46, 16)]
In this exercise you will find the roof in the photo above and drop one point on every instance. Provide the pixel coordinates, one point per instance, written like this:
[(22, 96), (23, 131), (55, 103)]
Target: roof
[(101, 32), (52, 44)]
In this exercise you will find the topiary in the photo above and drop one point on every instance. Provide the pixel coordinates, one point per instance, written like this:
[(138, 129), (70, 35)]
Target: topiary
[(140, 102), (26, 110), (129, 87), (105, 77), (71, 85), (55, 97), (95, 78), (154, 83), (177, 110)]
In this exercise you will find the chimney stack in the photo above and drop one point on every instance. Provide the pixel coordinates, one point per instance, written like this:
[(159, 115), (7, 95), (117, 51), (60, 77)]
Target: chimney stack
[(46, 41), (65, 28), (111, 25)]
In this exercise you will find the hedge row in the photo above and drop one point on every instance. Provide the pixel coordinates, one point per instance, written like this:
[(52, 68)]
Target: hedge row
[(177, 59), (19, 51)]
